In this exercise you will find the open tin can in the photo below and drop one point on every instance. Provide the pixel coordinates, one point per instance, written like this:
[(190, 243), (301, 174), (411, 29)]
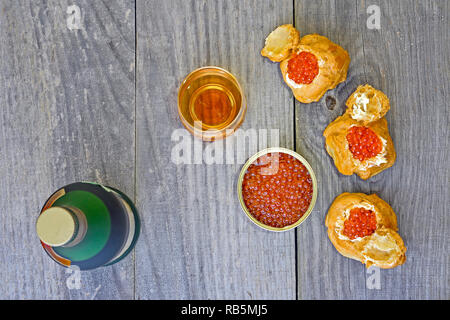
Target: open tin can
[(302, 160)]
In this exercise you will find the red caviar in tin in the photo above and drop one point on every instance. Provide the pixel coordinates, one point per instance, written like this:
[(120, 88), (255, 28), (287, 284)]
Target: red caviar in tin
[(303, 68), (363, 143), (277, 189), (360, 223)]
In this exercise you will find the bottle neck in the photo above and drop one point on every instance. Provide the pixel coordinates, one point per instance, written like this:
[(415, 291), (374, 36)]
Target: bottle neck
[(61, 226), (81, 230)]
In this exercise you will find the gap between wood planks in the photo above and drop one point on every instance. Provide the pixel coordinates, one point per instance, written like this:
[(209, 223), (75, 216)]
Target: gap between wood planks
[(135, 133), (295, 149)]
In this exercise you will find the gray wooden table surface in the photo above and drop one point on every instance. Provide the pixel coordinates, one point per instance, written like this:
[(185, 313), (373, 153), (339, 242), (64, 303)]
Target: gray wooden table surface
[(98, 102)]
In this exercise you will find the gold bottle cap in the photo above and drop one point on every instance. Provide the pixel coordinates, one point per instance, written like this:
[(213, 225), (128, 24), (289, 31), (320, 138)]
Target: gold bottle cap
[(56, 226)]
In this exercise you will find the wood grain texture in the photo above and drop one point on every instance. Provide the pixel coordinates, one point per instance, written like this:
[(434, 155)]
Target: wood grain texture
[(67, 114), (322, 273), (196, 241), (408, 60), (73, 108)]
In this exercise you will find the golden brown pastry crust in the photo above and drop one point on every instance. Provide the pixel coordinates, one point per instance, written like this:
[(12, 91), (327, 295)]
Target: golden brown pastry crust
[(337, 147), (280, 43), (333, 66), (367, 104), (384, 248)]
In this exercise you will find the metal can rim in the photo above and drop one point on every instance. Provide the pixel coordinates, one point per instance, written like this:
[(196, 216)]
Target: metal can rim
[(311, 173)]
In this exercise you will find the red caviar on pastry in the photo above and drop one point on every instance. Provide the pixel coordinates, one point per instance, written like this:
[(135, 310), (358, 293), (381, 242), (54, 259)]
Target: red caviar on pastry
[(360, 222), (361, 146), (316, 66), (310, 66), (303, 67), (364, 227), (363, 143)]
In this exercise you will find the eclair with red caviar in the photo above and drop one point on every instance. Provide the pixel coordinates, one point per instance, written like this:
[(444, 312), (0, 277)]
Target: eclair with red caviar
[(364, 227), (359, 141), (310, 66)]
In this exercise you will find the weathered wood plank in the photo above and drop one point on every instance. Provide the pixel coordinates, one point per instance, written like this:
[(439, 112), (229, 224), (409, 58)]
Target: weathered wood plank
[(321, 272), (196, 242), (408, 61), (67, 114), (405, 59)]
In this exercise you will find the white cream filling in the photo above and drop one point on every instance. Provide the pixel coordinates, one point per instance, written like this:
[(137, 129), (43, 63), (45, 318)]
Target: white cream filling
[(292, 83), (321, 63), (360, 110)]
